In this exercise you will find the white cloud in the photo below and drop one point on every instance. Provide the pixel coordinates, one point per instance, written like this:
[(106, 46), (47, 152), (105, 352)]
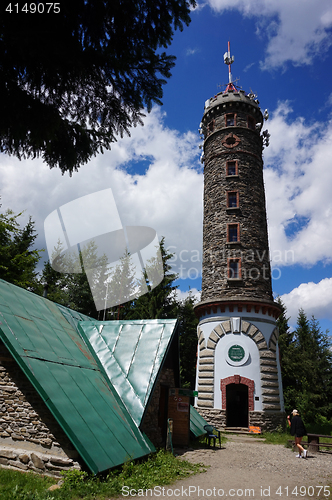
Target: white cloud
[(298, 177), (167, 196), (181, 295), (191, 52), (313, 298), (297, 30)]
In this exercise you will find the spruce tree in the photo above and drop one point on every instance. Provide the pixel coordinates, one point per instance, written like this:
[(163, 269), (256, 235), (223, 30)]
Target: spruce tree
[(188, 341), (18, 258), (160, 302), (76, 74)]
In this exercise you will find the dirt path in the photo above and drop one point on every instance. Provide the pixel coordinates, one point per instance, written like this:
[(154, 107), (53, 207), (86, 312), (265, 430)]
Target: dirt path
[(247, 468)]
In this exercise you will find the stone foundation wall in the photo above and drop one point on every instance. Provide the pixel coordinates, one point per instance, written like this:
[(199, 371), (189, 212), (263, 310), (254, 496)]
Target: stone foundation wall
[(42, 463), (30, 437), (150, 424), (268, 421), (213, 416)]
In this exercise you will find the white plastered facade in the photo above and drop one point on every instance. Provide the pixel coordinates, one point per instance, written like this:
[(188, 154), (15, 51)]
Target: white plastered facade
[(255, 336)]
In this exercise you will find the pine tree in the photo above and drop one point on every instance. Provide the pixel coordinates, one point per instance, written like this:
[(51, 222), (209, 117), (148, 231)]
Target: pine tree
[(160, 302), (18, 258), (287, 357), (188, 341), (122, 287)]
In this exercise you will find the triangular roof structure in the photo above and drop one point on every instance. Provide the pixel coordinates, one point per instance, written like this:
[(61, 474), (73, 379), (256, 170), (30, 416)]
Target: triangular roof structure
[(51, 345), (131, 353)]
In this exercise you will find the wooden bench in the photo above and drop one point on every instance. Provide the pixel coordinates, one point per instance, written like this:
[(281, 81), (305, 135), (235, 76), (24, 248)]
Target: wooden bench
[(314, 442)]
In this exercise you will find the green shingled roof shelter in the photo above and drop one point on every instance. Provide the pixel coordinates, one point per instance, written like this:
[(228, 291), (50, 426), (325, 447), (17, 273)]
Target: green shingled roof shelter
[(96, 378)]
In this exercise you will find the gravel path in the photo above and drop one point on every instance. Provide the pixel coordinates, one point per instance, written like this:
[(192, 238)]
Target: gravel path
[(246, 468)]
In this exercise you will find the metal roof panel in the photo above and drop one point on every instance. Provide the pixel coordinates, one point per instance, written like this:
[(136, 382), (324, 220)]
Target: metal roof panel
[(63, 369), (131, 353)]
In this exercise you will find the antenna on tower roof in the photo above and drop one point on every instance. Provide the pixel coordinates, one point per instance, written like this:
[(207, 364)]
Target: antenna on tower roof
[(228, 59)]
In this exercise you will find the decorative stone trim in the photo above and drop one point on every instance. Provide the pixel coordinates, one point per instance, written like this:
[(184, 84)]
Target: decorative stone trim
[(203, 403), (205, 388), (245, 326), (201, 339), (206, 368), (270, 383), (211, 344), (207, 353), (269, 376), (236, 379), (214, 336), (274, 339), (219, 331)]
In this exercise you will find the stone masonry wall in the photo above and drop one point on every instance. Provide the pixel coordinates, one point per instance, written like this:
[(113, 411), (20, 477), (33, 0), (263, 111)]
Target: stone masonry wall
[(244, 145), (30, 437), (267, 421)]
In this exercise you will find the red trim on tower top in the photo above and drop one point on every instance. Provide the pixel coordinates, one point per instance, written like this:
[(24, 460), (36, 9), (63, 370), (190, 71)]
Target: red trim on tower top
[(230, 88), (272, 309)]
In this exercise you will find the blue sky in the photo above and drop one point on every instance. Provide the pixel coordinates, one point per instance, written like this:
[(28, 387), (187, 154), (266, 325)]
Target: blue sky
[(283, 53)]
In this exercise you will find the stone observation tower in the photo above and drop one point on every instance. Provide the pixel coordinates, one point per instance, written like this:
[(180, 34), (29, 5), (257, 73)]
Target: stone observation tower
[(238, 370)]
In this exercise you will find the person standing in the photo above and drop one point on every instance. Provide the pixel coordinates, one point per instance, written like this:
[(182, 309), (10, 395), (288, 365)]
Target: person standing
[(298, 430)]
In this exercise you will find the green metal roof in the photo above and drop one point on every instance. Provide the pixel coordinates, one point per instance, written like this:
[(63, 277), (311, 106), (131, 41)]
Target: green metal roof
[(197, 423), (63, 369), (131, 353)]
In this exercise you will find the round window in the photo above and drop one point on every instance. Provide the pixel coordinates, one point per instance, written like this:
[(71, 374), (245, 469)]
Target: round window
[(231, 140)]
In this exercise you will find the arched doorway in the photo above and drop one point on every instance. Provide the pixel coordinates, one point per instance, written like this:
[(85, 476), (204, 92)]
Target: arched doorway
[(237, 406)]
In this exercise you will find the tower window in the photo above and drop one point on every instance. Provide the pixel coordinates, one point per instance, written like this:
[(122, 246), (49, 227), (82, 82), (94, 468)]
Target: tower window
[(251, 123), (232, 199), (233, 233), (234, 268), (230, 120), (231, 168)]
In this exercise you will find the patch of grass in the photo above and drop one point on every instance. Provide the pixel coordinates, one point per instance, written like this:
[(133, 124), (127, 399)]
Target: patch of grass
[(276, 437), (159, 469), (23, 486)]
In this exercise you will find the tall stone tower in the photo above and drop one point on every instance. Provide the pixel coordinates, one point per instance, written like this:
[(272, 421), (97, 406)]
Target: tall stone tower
[(238, 370)]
